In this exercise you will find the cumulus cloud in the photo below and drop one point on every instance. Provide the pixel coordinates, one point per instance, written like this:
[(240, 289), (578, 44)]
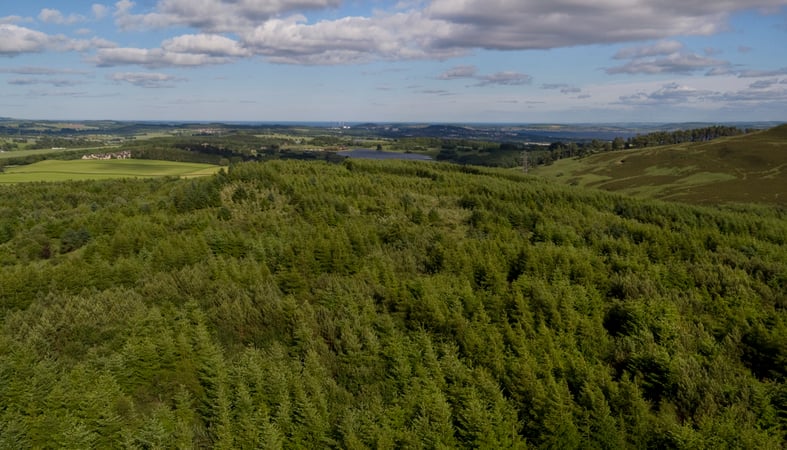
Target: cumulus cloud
[(680, 94), (348, 40), (48, 15), (11, 19), (664, 57), (154, 58), (212, 15), (145, 79), (670, 93), (528, 24), (204, 44), (278, 30), (185, 50), (15, 40), (84, 45), (444, 28), (99, 11)]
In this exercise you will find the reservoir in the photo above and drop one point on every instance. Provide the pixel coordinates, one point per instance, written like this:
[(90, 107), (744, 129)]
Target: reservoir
[(376, 154)]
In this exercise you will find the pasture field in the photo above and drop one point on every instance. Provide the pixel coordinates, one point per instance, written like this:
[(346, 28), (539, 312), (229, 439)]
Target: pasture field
[(744, 169), (53, 170)]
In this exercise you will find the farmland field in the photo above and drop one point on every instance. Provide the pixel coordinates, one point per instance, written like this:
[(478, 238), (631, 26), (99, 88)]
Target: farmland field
[(53, 170)]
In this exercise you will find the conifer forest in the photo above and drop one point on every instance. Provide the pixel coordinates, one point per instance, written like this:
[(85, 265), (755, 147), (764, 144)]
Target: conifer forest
[(386, 304)]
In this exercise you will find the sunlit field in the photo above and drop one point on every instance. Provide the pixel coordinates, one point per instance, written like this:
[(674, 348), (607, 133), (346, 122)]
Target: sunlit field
[(53, 170)]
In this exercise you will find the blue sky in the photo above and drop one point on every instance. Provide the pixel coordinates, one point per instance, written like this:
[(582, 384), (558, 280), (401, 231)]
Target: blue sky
[(395, 61)]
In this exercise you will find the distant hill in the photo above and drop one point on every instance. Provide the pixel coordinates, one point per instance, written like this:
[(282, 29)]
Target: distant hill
[(748, 168)]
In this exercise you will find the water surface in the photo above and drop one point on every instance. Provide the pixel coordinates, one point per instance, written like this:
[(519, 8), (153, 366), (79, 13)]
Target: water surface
[(377, 154)]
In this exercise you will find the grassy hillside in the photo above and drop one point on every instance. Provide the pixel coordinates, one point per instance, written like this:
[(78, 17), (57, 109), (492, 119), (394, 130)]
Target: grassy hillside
[(55, 170), (387, 305), (749, 168)]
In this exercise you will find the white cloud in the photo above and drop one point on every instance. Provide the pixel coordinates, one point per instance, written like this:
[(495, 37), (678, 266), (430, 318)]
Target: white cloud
[(99, 11), (442, 29), (48, 15), (84, 45), (348, 40), (534, 24), (12, 19), (724, 93), (225, 30), (213, 15), (15, 40), (665, 57), (186, 50), (145, 79), (110, 57), (670, 93), (206, 44)]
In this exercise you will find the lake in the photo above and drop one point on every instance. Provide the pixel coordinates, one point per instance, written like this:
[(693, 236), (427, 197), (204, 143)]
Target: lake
[(375, 154)]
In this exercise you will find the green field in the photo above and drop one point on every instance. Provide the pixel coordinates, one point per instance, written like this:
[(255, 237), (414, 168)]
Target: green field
[(744, 169), (53, 170)]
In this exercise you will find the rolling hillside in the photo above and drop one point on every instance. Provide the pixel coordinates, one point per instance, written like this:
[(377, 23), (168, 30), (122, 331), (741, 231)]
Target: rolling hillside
[(741, 169), (386, 304)]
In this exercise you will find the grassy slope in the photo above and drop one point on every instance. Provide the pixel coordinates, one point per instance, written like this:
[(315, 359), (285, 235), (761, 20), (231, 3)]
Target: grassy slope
[(54, 170), (750, 168)]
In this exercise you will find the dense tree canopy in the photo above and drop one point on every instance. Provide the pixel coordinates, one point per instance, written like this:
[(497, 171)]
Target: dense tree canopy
[(386, 304)]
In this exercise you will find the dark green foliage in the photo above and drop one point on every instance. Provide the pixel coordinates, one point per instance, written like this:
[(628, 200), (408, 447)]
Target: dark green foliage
[(73, 239), (294, 304)]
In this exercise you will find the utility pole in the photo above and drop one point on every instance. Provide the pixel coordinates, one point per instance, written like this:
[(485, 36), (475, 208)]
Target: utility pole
[(525, 162)]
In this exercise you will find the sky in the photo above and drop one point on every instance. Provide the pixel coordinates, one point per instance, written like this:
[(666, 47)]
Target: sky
[(451, 61)]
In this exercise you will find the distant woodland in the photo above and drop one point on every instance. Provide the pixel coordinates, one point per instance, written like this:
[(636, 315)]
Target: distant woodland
[(365, 304)]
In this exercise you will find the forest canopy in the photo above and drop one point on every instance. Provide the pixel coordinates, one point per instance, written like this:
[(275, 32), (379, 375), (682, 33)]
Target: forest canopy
[(293, 304)]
